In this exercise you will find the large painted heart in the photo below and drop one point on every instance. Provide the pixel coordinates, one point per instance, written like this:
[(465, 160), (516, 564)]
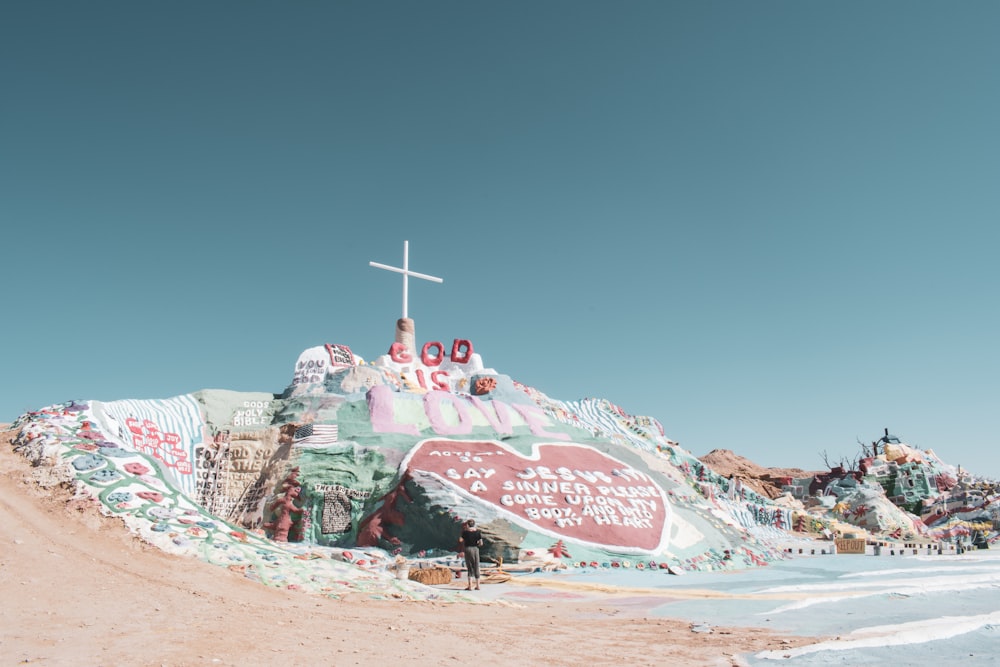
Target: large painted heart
[(566, 490)]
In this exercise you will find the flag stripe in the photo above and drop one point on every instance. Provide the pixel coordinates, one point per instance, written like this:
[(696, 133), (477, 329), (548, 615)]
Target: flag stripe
[(316, 434)]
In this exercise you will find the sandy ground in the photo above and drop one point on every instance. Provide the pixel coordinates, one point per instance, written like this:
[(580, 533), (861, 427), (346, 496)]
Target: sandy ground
[(78, 589)]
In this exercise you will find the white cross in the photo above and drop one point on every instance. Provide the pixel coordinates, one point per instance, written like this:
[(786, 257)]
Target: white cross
[(406, 273)]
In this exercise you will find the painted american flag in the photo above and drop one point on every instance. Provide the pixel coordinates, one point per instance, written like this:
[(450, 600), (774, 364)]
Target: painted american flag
[(313, 435)]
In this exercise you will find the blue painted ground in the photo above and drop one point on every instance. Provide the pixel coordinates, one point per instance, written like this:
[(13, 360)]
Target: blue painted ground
[(874, 610)]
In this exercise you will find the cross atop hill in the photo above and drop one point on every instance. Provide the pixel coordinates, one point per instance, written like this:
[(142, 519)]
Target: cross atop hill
[(406, 273)]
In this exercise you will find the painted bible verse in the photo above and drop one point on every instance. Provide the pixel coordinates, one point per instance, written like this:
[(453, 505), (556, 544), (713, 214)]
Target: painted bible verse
[(568, 490)]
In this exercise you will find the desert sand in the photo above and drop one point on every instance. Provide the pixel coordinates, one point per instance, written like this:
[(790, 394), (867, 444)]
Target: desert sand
[(79, 589)]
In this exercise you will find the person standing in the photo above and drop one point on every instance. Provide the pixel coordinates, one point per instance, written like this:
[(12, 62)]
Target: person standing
[(471, 540)]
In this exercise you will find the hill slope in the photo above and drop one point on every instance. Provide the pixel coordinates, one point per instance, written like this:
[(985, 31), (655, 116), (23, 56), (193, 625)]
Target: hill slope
[(765, 481), (81, 589)]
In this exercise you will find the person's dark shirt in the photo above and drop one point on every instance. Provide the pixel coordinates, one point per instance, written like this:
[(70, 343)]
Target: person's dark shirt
[(471, 538)]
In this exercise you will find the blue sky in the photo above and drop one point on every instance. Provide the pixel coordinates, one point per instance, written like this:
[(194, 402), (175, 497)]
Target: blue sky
[(773, 226)]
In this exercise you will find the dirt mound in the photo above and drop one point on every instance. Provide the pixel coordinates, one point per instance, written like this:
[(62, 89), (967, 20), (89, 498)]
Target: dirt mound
[(765, 481)]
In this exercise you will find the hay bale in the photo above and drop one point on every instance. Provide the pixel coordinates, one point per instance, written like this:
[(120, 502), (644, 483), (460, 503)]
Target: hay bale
[(431, 576)]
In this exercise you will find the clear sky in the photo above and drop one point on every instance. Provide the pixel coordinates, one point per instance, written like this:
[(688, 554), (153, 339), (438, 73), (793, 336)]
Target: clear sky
[(773, 226)]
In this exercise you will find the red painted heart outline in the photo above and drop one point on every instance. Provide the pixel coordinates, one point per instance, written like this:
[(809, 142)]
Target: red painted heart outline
[(583, 494)]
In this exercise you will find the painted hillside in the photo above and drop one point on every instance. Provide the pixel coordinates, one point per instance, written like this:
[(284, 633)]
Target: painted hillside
[(359, 465), (890, 491)]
